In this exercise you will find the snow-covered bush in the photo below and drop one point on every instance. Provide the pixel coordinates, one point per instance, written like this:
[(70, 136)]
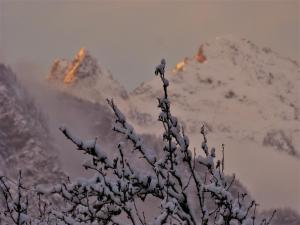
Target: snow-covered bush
[(168, 189)]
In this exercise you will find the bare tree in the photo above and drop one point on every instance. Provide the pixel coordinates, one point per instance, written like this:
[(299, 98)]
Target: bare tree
[(119, 188)]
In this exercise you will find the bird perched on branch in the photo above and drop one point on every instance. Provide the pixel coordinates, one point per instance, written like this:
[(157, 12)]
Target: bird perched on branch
[(160, 69)]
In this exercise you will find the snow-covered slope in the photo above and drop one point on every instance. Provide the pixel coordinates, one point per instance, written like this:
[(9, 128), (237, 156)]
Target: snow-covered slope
[(239, 91), (24, 138), (85, 79)]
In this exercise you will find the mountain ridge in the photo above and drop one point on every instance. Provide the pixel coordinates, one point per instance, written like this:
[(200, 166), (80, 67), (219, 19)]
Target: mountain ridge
[(231, 71)]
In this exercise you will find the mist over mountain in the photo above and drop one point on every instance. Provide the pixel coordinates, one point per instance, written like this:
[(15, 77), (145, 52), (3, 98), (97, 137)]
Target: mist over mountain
[(25, 141)]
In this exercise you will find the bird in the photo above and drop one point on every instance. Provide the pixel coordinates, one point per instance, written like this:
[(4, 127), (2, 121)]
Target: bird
[(160, 69)]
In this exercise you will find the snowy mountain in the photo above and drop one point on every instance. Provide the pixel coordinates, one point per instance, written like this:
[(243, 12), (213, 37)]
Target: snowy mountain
[(246, 96), (240, 91), (84, 78), (24, 137), (218, 87)]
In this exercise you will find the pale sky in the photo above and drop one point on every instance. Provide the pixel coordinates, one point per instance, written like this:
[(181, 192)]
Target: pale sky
[(130, 37)]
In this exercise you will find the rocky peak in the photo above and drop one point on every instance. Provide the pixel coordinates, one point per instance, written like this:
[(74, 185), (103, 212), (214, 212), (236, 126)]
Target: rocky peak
[(84, 78), (81, 67)]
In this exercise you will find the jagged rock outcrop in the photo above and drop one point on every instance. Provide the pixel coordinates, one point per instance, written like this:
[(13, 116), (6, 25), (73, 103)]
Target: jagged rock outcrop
[(84, 78)]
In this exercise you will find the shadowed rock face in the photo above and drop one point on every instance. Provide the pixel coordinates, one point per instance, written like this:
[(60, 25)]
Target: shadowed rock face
[(25, 143), (279, 140)]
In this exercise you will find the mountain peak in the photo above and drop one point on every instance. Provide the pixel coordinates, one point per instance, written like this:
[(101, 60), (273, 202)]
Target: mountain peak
[(82, 52), (84, 78), (81, 67)]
